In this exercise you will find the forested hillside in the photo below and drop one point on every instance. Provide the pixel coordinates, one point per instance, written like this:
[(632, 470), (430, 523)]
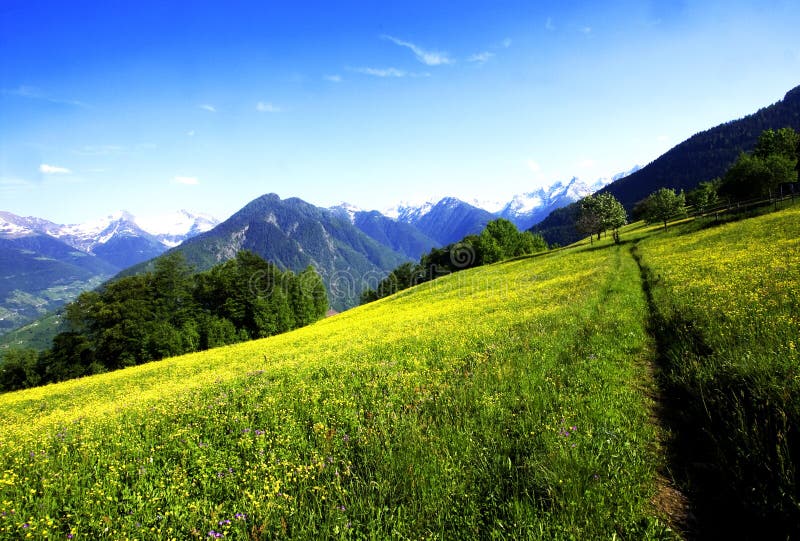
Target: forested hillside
[(703, 157)]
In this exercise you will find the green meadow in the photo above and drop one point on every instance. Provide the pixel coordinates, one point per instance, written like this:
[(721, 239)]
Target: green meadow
[(520, 400)]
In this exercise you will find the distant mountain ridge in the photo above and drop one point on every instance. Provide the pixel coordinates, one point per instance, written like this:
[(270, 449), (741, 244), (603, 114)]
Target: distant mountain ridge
[(399, 236), (528, 209), (44, 265), (294, 234), (524, 210)]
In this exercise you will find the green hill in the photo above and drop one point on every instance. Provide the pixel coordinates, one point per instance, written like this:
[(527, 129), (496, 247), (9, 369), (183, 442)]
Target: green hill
[(521, 400)]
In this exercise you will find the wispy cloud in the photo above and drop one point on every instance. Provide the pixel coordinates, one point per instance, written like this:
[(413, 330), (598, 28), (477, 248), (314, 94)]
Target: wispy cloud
[(267, 107), (333, 78), (506, 43), (585, 30), (388, 72), (208, 107), (548, 24), (35, 93), (481, 58), (429, 58), (99, 150), (53, 170), (188, 181), (191, 133)]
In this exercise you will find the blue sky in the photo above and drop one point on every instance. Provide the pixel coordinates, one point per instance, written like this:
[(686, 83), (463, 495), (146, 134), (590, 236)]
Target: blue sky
[(156, 106)]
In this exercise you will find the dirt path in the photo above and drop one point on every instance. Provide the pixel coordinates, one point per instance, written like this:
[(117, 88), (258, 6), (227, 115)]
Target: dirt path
[(670, 501)]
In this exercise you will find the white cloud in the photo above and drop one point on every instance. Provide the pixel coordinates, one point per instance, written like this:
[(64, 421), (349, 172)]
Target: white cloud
[(429, 58), (267, 107), (587, 163), (333, 78), (188, 181), (481, 58), (548, 25), (506, 43), (34, 93), (191, 133), (586, 30), (534, 166), (208, 107), (388, 72), (53, 169)]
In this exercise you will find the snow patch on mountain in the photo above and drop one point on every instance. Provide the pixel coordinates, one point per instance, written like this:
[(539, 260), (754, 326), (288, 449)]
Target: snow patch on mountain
[(528, 209), (173, 228), (346, 210), (168, 229), (409, 212)]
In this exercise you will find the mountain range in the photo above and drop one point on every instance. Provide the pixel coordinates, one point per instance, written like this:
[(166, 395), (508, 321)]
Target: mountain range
[(448, 220), (44, 265)]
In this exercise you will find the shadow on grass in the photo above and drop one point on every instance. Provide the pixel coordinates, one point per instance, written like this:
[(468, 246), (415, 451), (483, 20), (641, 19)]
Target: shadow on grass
[(720, 504)]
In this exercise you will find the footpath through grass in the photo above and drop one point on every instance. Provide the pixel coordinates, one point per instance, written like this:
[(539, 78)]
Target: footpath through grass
[(506, 402), (727, 302)]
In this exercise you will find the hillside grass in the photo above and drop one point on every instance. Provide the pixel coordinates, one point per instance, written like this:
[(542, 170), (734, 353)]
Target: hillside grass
[(506, 402), (727, 302)]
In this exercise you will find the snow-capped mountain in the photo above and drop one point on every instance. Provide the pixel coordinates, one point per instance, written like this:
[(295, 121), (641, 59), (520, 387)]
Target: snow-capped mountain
[(528, 209), (446, 221), (46, 264), (525, 210), (408, 212), (119, 238), (87, 236), (346, 210), (13, 226), (175, 227)]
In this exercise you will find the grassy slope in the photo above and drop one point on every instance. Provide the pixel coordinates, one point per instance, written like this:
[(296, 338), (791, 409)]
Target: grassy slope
[(509, 401), (728, 311)]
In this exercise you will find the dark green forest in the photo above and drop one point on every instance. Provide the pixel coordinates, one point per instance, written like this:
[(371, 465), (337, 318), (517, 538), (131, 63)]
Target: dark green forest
[(170, 311)]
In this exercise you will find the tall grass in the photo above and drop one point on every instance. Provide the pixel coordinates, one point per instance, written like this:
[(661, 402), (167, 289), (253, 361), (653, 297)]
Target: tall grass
[(728, 303), (506, 402)]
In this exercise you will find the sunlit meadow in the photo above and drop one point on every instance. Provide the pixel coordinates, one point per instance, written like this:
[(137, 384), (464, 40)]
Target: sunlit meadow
[(727, 300), (510, 401)]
